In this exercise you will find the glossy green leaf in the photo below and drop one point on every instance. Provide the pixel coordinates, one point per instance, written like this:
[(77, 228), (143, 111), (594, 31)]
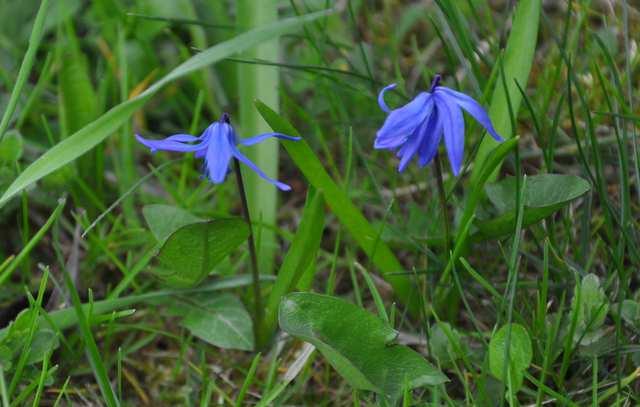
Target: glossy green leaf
[(220, 320), (520, 353), (517, 62), (299, 258), (358, 344), (163, 220), (347, 213), (192, 251), (544, 194), (95, 132)]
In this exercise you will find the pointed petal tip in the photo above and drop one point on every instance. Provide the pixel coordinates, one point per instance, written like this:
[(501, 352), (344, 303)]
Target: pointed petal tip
[(145, 143), (456, 170), (381, 102)]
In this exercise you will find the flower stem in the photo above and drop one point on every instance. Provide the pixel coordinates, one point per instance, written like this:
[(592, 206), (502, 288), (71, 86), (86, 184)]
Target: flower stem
[(443, 204), (257, 301)]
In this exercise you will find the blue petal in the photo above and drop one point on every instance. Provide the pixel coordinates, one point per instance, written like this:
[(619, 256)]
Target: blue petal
[(237, 154), (177, 142), (381, 101), (218, 154), (431, 140), (183, 138), (411, 147), (473, 108), (257, 139), (402, 122), (453, 126)]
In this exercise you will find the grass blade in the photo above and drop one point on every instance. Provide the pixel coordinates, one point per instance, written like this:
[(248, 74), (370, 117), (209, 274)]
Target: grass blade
[(261, 196), (517, 62), (93, 353), (25, 67), (34, 240)]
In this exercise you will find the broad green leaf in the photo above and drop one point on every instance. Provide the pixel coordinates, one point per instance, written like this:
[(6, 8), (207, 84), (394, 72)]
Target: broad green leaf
[(220, 320), (13, 338), (517, 62), (544, 194), (163, 220), (192, 251), (541, 191), (592, 311), (445, 343), (299, 258), (631, 313), (11, 147), (520, 353), (358, 344), (347, 213), (95, 132)]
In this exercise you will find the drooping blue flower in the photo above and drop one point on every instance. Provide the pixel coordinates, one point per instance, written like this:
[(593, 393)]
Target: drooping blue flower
[(417, 127), (218, 144)]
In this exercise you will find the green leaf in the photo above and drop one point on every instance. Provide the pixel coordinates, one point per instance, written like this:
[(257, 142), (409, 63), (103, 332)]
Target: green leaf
[(299, 258), (445, 343), (11, 147), (13, 338), (163, 220), (544, 194), (220, 320), (592, 310), (347, 213), (520, 353), (631, 313), (357, 344), (95, 132), (517, 62), (191, 252)]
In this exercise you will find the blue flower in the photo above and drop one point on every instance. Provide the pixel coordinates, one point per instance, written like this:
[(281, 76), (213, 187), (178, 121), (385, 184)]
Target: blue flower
[(218, 144), (417, 127)]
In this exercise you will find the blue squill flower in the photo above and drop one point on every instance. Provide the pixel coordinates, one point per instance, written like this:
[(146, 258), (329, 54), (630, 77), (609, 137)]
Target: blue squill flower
[(417, 127), (218, 144)]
